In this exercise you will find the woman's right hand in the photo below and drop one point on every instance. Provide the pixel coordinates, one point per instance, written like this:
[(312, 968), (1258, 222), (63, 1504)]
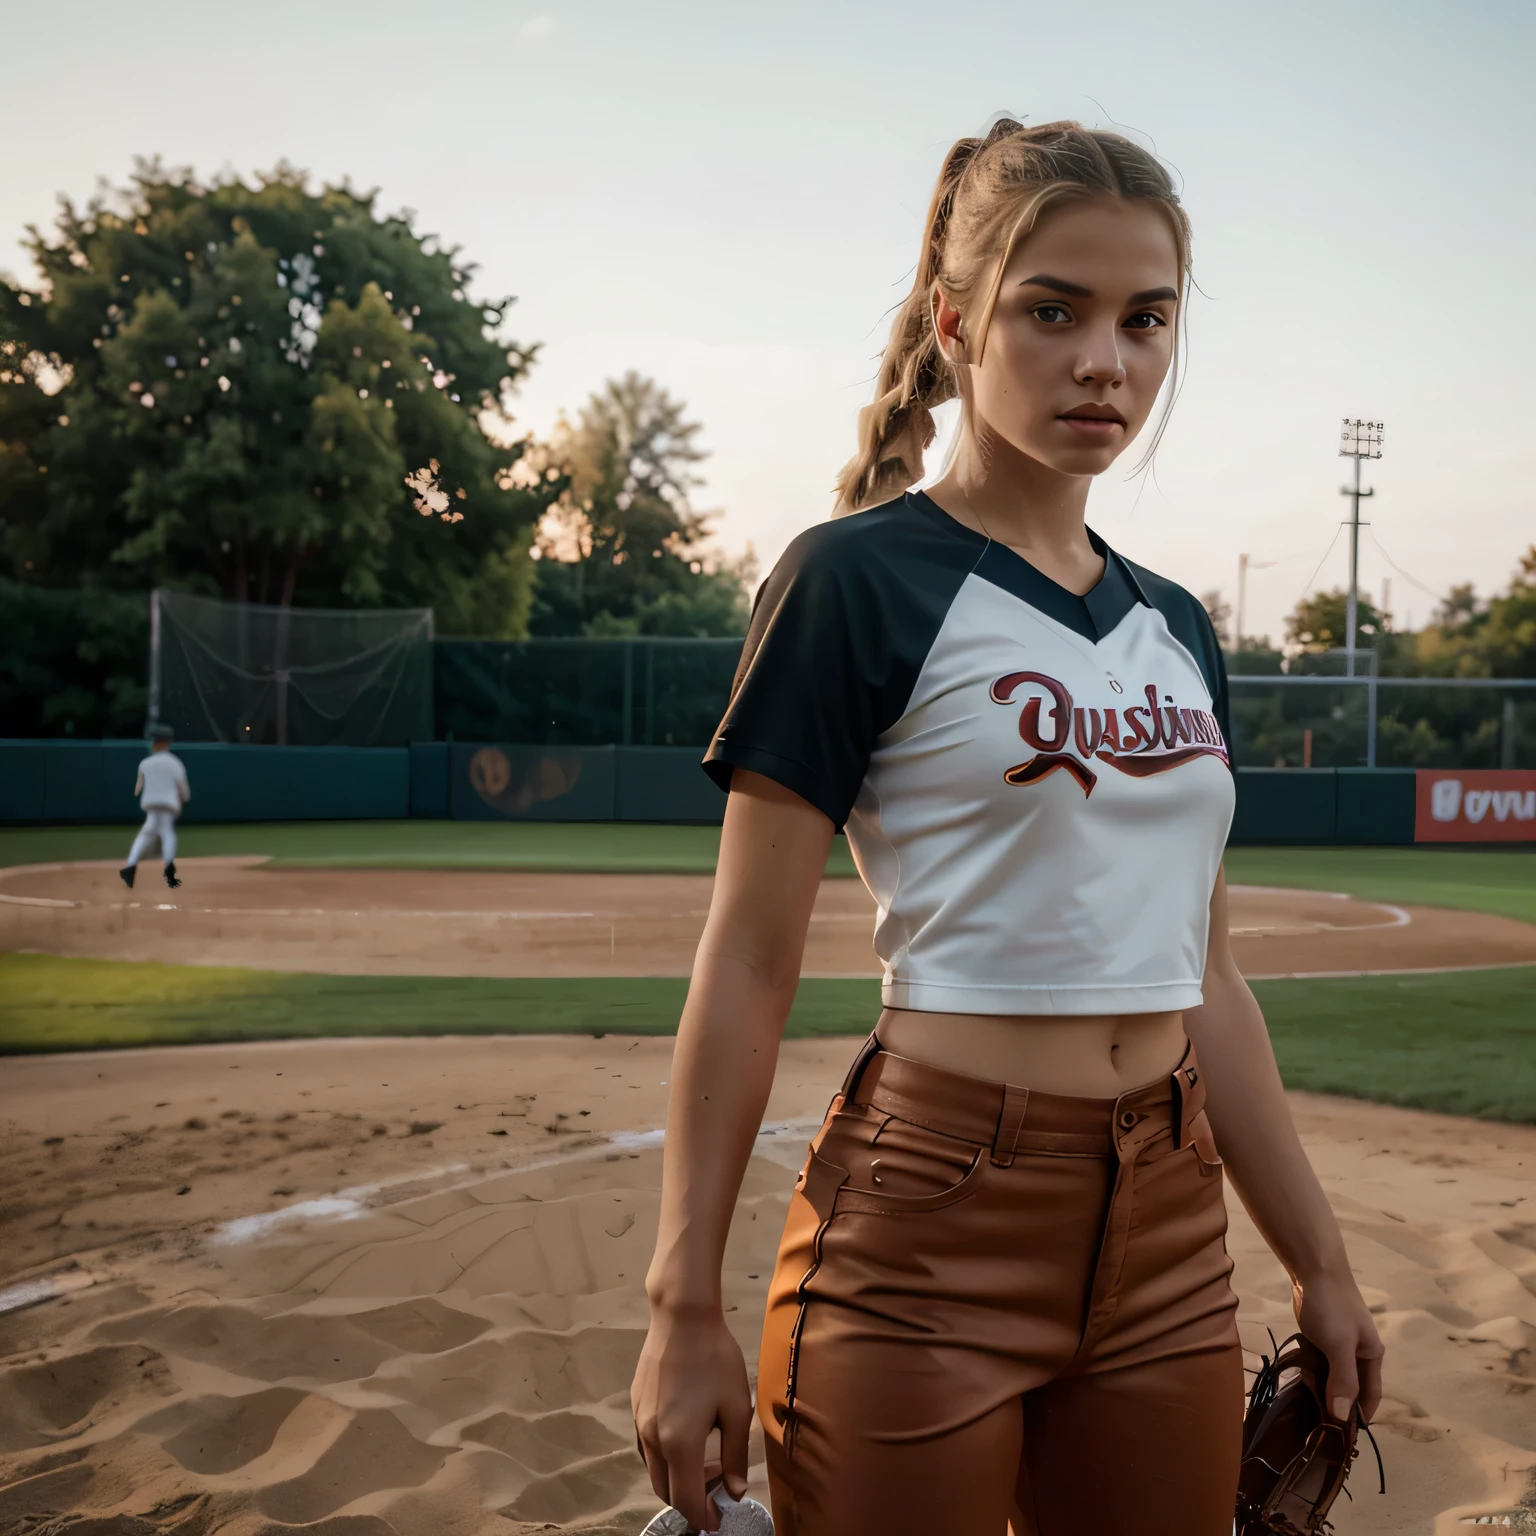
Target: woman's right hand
[(691, 1379)]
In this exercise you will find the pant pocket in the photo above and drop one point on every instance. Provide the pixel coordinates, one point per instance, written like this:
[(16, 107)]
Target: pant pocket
[(1204, 1142), (894, 1159)]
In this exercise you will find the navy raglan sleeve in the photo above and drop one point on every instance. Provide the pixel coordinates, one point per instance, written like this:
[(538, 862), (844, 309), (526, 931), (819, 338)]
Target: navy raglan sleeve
[(804, 703), (1198, 633), (1220, 705)]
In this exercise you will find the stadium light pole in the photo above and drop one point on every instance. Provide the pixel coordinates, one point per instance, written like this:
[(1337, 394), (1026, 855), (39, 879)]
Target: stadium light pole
[(1358, 440)]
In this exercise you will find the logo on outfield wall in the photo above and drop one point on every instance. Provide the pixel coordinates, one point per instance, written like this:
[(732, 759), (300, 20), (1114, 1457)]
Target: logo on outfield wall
[(490, 773), (541, 777), (1472, 805)]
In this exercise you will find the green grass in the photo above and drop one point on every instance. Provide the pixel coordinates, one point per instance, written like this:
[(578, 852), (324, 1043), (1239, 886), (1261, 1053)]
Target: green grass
[(1499, 880), (1461, 1043), (48, 1003), (607, 847)]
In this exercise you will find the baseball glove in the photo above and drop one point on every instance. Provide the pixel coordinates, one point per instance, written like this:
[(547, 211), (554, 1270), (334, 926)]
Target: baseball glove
[(1295, 1456)]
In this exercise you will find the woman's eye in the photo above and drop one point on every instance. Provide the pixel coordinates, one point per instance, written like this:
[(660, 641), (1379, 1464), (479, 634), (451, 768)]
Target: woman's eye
[(1053, 314), (1146, 320)]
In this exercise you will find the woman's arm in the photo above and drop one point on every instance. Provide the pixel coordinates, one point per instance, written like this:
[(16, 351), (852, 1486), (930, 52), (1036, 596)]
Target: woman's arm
[(691, 1377), (1274, 1180)]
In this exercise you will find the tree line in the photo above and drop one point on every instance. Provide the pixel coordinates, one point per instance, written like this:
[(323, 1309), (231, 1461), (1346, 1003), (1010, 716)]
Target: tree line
[(1466, 636), (274, 394)]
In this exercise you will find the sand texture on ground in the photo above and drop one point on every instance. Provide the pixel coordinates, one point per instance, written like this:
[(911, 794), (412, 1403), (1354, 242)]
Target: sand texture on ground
[(393, 1288), (235, 911)]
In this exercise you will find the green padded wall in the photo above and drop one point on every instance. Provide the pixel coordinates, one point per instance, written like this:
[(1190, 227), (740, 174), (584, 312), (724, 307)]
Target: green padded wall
[(1285, 805), (1375, 805), (84, 781), (665, 784)]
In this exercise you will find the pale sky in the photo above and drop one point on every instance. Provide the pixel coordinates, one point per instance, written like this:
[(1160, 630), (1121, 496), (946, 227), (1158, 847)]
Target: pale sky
[(730, 197)]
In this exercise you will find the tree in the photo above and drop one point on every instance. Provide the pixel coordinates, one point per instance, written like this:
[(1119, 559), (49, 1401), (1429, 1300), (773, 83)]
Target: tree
[(625, 553), (1319, 622), (264, 392), (1468, 638), (1219, 611)]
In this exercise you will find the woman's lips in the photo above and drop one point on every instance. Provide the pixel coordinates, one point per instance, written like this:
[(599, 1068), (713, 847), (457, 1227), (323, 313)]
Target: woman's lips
[(1091, 426)]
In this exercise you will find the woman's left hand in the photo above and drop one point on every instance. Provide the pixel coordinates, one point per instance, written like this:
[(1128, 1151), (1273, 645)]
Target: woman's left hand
[(1332, 1314)]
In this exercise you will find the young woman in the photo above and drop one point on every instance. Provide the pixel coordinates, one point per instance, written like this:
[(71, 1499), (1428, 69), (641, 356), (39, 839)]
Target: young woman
[(1002, 1292)]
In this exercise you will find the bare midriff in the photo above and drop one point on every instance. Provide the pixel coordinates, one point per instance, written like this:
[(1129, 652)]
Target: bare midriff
[(1088, 1055)]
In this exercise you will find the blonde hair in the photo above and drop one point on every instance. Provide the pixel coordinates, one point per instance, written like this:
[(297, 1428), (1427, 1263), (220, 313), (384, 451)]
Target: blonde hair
[(991, 192)]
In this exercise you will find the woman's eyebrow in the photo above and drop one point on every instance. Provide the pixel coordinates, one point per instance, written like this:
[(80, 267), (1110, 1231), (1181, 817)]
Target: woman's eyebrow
[(1077, 291), (1060, 284)]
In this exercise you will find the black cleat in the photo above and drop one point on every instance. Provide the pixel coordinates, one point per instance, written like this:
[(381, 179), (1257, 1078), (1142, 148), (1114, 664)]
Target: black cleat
[(126, 874), (171, 878)]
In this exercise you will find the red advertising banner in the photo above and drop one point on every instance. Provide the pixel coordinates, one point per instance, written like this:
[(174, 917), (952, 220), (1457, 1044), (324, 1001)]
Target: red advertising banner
[(1475, 805)]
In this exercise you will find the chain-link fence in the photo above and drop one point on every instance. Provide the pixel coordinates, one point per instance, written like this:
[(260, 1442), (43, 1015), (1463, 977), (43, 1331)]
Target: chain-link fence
[(1384, 722), (651, 692), (246, 673), (663, 692)]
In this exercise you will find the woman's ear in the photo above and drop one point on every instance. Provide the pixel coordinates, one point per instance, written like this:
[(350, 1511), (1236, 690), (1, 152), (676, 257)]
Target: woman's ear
[(948, 328)]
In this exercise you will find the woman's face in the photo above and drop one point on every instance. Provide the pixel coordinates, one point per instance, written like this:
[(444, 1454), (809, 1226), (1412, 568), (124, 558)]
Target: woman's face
[(1081, 337)]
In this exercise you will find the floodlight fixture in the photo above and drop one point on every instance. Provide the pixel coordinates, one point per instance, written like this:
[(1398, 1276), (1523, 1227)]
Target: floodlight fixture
[(1361, 439)]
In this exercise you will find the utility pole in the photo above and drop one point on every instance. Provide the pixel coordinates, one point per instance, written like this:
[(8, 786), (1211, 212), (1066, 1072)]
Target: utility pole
[(1245, 563), (1358, 440)]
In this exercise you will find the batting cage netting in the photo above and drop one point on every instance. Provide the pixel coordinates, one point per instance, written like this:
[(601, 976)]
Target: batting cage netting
[(245, 672)]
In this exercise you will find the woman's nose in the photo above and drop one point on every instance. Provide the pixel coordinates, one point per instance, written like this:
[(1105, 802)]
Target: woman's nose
[(1101, 363)]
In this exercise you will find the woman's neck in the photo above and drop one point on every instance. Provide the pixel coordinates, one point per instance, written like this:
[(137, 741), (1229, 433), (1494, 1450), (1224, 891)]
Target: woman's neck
[(1016, 500)]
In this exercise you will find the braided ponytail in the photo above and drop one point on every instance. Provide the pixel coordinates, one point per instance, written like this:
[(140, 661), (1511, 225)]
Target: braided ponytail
[(989, 194), (897, 426)]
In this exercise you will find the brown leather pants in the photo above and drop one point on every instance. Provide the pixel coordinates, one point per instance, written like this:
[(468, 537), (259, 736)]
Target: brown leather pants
[(992, 1305)]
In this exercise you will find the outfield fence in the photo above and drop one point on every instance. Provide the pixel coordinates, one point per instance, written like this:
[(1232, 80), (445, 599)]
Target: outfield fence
[(74, 664), (649, 692), (1383, 722), (663, 692)]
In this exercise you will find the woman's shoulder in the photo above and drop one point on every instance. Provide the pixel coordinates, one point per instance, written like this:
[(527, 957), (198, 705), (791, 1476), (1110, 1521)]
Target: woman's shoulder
[(896, 543), (1164, 593), (1184, 613)]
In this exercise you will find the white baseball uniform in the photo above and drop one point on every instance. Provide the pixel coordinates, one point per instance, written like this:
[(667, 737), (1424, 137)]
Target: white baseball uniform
[(165, 791)]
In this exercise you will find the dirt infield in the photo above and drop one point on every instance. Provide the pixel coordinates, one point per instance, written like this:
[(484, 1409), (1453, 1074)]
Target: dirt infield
[(394, 1287), (242, 912)]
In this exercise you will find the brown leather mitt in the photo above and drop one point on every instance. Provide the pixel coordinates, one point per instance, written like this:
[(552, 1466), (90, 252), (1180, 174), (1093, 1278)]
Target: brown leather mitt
[(1295, 1456)]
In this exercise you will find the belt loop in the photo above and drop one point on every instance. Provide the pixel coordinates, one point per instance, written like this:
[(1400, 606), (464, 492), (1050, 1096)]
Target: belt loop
[(1188, 1085), (1009, 1123)]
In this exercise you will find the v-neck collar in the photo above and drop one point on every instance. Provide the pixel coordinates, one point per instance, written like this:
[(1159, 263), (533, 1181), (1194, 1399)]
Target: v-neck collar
[(1093, 615)]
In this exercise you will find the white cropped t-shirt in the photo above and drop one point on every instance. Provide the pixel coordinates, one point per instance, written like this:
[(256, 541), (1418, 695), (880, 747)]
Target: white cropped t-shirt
[(1035, 785)]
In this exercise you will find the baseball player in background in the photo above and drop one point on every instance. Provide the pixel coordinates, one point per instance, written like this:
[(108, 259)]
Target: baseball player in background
[(162, 790)]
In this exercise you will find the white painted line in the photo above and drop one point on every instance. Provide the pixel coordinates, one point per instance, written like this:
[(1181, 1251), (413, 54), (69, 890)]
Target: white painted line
[(28, 1293), (245, 1229), (1412, 970), (345, 1205), (349, 1204), (407, 912)]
